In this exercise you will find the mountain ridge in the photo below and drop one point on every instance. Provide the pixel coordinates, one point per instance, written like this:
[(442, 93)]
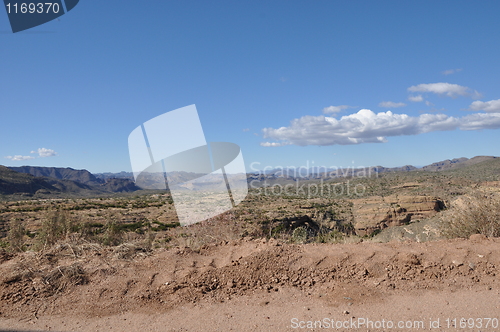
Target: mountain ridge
[(30, 180), (40, 181)]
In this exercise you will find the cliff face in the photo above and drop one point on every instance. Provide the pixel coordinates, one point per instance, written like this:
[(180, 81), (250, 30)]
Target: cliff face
[(376, 212)]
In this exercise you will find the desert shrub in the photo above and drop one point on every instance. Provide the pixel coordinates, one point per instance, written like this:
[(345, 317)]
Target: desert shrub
[(131, 227), (222, 228), (63, 277), (278, 230), (164, 226), (112, 235), (56, 225), (299, 235), (15, 236), (475, 214), (334, 236)]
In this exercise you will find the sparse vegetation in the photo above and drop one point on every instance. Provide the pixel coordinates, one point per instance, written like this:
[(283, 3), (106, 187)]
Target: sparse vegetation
[(478, 213), (55, 245), (148, 220), (15, 238), (299, 235)]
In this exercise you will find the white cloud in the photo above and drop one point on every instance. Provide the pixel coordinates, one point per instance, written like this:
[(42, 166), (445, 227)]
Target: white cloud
[(19, 157), (480, 121), (267, 144), (43, 152), (448, 89), (391, 104), (492, 106), (416, 99), (246, 129), (366, 126), (335, 109), (362, 127), (451, 71)]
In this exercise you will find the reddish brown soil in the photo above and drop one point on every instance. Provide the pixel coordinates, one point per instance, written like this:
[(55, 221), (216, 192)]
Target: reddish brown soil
[(251, 285)]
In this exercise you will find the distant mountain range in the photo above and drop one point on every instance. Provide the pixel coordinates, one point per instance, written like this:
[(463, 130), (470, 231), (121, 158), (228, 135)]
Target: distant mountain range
[(77, 175), (322, 173), (318, 172), (42, 181)]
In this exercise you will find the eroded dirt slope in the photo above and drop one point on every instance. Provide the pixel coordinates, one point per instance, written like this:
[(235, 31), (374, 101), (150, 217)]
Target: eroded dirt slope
[(90, 284)]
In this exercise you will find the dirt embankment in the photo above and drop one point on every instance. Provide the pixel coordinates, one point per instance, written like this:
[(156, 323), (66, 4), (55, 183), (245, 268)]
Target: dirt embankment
[(87, 285)]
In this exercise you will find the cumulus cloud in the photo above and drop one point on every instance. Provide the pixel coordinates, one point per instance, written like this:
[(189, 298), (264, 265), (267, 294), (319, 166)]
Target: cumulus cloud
[(391, 104), (447, 89), (43, 152), (480, 121), (492, 106), (19, 157), (366, 126), (416, 99), (451, 71), (335, 109)]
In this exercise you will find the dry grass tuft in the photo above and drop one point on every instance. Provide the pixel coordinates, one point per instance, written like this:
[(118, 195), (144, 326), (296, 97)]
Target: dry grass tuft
[(223, 228), (16, 236), (64, 277), (130, 250), (478, 213)]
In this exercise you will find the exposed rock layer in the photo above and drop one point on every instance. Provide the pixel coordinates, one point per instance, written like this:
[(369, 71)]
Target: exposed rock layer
[(376, 212)]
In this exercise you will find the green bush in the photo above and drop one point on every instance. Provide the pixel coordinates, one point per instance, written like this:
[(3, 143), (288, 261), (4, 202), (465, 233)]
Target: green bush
[(299, 235), (334, 236), (112, 235)]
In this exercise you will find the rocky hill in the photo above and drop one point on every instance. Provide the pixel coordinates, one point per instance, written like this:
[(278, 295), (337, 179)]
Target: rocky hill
[(72, 181), (456, 163), (119, 185), (27, 185), (109, 175), (81, 175), (12, 182), (282, 176), (49, 181)]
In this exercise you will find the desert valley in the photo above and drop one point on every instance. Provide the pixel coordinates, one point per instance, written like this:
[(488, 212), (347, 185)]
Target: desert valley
[(303, 251)]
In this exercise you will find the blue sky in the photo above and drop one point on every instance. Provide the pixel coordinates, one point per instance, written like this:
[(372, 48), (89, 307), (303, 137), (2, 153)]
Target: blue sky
[(337, 83)]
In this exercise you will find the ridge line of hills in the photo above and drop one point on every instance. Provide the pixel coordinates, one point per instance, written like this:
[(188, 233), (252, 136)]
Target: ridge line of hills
[(44, 181), (318, 172), (47, 181)]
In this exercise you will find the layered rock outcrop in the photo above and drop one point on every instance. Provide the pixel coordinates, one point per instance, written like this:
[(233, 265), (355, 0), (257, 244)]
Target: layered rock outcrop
[(376, 213)]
